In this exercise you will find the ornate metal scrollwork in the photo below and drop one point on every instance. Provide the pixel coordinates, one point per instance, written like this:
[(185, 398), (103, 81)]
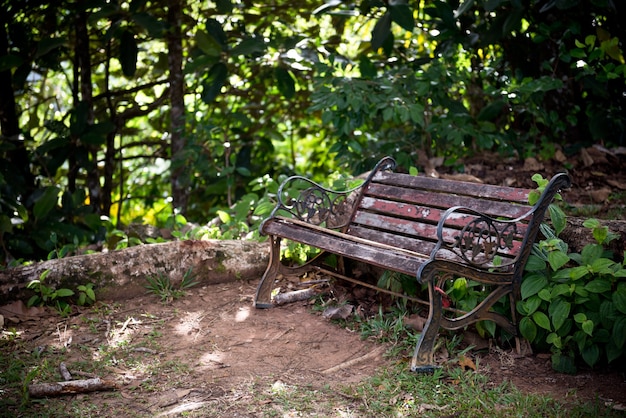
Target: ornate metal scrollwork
[(319, 206), (480, 241)]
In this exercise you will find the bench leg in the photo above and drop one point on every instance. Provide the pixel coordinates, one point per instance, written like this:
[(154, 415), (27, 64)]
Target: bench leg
[(423, 361), (263, 297)]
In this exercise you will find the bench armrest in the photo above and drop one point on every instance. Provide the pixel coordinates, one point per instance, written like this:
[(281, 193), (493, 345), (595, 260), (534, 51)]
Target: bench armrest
[(307, 201), (482, 237)]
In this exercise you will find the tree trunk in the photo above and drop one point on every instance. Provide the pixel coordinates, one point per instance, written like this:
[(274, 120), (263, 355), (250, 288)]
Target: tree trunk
[(177, 106), (122, 274), (16, 165)]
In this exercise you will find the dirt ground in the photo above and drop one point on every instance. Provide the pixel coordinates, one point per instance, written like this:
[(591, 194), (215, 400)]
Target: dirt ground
[(214, 349)]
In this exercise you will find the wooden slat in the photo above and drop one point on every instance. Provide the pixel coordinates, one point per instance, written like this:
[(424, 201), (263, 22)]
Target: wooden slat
[(372, 253), (419, 213), (445, 201), (412, 231), (503, 193)]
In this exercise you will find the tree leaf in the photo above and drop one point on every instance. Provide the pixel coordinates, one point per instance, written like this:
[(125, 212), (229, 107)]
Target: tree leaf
[(128, 53), (46, 202), (403, 16), (150, 23), (382, 30), (249, 46), (285, 82), (212, 84), (208, 44)]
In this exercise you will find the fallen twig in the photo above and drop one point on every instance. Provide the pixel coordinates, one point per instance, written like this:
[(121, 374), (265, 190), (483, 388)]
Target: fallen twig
[(40, 390), (355, 361), (65, 374), (296, 295)]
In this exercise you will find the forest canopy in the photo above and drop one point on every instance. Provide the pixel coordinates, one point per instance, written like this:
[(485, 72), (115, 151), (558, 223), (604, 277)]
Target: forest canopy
[(117, 112)]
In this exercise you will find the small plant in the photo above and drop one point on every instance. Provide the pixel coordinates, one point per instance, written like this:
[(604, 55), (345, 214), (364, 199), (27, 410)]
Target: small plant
[(162, 286), (60, 299), (44, 294), (575, 303)]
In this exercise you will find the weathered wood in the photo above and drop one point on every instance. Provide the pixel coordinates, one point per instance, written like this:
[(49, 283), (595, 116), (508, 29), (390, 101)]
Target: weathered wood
[(121, 274), (42, 390)]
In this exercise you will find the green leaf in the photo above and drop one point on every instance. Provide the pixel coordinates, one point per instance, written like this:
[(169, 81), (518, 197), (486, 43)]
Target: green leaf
[(63, 293), (224, 6), (249, 46), (491, 111), (532, 285), (559, 311), (128, 53), (542, 320), (403, 16), (591, 354), (366, 67), (150, 23), (91, 294), (603, 266), (557, 259), (558, 218), (619, 332), (47, 201), (531, 304), (601, 234), (10, 61), (590, 253), (535, 263), (382, 30), (580, 318), (588, 326), (213, 83), (554, 339), (465, 6), (619, 298), (613, 352), (208, 44), (598, 286), (545, 294), (563, 364), (285, 82), (528, 329)]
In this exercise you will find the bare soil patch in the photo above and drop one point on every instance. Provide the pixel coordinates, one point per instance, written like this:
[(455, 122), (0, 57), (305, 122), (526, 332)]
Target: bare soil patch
[(211, 351)]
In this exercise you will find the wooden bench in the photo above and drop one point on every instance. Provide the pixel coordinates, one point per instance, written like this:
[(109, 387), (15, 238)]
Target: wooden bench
[(434, 229)]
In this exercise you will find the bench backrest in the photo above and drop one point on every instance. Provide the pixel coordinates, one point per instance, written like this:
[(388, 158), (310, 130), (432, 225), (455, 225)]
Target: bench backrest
[(405, 211)]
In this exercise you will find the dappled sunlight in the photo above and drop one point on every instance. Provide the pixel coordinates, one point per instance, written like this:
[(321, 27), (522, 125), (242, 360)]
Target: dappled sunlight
[(189, 323), (212, 358), (242, 314)]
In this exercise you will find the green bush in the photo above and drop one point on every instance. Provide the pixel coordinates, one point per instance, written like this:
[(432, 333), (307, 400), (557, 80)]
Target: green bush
[(575, 303)]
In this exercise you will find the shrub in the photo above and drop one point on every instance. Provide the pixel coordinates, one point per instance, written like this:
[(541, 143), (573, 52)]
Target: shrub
[(575, 303)]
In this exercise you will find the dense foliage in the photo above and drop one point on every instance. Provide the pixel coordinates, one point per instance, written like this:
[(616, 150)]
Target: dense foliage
[(115, 112)]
